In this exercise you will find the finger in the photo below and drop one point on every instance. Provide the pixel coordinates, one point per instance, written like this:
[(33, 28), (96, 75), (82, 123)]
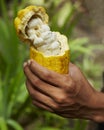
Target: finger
[(40, 85), (49, 76), (69, 109), (40, 97), (73, 115), (42, 106), (68, 115)]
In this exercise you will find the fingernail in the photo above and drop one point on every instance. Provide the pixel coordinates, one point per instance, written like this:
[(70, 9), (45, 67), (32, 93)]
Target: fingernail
[(25, 64), (29, 62)]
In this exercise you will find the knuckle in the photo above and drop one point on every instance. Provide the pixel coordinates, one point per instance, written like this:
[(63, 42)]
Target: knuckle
[(71, 83), (68, 82), (72, 103), (36, 81), (61, 99), (56, 107), (66, 78), (47, 75), (70, 86), (66, 86)]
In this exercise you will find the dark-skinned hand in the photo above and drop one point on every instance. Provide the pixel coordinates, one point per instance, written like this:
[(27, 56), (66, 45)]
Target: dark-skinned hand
[(69, 95)]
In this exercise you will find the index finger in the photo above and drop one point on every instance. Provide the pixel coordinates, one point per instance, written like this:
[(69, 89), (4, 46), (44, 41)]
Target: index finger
[(49, 76)]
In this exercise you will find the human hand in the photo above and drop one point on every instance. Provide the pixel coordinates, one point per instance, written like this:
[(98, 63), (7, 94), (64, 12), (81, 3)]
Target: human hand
[(68, 95)]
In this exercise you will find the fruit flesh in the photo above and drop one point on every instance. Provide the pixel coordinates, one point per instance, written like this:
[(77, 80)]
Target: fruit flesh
[(43, 39)]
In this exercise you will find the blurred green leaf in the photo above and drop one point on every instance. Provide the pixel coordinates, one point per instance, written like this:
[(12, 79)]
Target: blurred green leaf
[(4, 10), (3, 125), (14, 125), (49, 128)]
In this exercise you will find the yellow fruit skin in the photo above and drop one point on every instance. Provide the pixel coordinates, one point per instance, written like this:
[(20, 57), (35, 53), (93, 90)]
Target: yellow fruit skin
[(59, 64)]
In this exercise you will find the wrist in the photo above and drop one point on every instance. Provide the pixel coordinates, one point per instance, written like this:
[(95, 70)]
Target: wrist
[(98, 107)]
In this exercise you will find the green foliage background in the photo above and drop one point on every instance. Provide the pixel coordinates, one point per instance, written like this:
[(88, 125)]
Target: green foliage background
[(16, 110)]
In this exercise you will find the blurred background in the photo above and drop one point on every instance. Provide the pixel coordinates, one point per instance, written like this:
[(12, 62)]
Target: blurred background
[(82, 21)]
